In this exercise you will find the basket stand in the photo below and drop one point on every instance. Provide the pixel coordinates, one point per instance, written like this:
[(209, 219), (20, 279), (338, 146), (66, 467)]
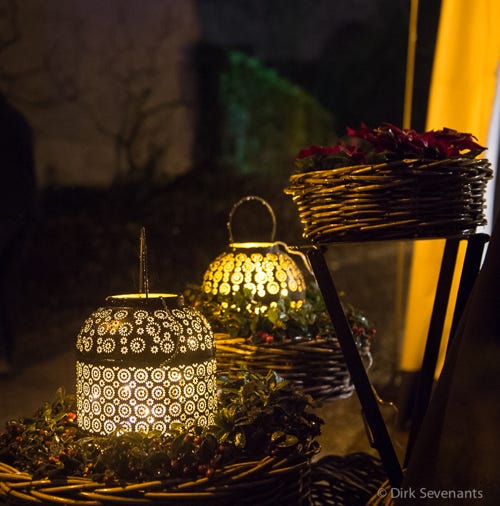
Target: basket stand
[(377, 430)]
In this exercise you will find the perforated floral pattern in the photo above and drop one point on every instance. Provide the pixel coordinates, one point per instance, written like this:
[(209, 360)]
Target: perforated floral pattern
[(270, 275), (160, 335), (143, 365), (112, 398)]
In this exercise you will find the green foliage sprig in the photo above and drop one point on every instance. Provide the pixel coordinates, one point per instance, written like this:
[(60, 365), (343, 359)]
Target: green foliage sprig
[(281, 322), (257, 416), (265, 415), (265, 117)]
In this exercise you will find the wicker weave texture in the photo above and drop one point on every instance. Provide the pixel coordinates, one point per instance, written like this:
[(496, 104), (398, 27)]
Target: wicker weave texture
[(397, 200), (316, 367), (270, 481), (346, 480)]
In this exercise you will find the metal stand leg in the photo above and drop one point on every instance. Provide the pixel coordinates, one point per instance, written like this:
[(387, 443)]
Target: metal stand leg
[(371, 412), (470, 269), (426, 377), (373, 417)]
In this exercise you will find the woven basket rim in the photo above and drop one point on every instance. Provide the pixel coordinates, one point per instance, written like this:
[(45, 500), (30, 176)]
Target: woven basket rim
[(401, 199), (420, 163), (317, 367), (234, 478)]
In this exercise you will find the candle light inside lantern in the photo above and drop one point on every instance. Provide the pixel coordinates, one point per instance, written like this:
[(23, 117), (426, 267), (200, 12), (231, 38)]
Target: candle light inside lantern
[(265, 269), (143, 362)]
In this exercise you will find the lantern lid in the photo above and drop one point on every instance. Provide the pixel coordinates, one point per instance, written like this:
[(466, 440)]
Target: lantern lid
[(252, 244), (152, 329), (152, 300)]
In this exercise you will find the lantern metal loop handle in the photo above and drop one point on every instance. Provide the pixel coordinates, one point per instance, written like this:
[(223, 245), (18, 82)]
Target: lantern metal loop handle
[(294, 251), (143, 264), (247, 199)]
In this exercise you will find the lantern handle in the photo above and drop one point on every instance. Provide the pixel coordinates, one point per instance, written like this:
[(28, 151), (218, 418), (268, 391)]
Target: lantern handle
[(294, 250), (143, 264), (247, 199)]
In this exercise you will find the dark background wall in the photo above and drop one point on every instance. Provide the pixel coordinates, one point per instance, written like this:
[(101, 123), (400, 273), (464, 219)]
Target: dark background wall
[(349, 55)]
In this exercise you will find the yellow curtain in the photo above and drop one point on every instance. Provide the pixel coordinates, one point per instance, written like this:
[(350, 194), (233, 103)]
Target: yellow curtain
[(462, 94)]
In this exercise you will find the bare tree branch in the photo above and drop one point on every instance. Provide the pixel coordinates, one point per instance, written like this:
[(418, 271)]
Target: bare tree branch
[(9, 24), (118, 87)]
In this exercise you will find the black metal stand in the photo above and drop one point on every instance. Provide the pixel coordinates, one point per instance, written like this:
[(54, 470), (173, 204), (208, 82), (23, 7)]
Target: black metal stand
[(381, 439), (379, 434), (470, 269)]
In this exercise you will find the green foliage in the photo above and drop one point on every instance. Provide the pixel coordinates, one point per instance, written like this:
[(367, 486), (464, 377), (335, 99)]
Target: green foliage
[(266, 119), (240, 315), (45, 442), (257, 416), (265, 415)]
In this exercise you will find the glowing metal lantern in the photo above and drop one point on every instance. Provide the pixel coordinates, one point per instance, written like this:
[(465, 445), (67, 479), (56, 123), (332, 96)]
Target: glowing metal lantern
[(143, 363), (264, 268)]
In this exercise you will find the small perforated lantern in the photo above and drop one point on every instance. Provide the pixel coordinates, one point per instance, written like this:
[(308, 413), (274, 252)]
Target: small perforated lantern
[(266, 269), (143, 362)]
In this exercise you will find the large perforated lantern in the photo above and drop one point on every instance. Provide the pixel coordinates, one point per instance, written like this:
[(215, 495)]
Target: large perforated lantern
[(143, 362), (266, 269)]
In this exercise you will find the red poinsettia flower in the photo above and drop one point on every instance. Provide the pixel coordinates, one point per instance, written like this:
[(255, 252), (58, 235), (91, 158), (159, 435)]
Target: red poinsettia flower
[(318, 150), (448, 142), (388, 143)]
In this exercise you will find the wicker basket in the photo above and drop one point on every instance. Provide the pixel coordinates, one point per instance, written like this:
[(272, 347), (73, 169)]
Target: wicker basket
[(270, 481), (383, 496), (346, 480), (315, 367), (402, 199)]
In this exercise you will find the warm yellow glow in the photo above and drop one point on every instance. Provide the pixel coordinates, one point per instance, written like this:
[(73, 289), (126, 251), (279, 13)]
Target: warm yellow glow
[(110, 398), (424, 274), (144, 363), (461, 97), (245, 245), (262, 268), (144, 296)]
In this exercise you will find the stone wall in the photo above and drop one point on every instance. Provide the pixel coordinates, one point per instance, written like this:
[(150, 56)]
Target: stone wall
[(108, 86)]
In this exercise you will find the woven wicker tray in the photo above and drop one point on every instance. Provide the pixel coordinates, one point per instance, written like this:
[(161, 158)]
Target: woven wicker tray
[(346, 480), (382, 497), (270, 481), (403, 199), (316, 367)]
